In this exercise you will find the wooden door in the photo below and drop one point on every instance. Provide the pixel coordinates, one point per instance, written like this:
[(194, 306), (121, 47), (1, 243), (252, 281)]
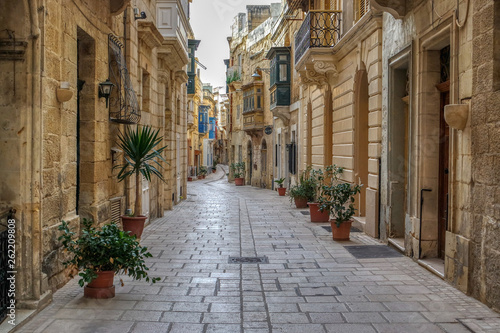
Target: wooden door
[(444, 163)]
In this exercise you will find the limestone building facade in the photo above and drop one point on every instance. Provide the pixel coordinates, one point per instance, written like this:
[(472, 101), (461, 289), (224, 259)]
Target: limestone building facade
[(249, 96), (59, 134)]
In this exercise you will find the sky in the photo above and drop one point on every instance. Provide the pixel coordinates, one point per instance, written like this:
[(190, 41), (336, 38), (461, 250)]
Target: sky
[(211, 22)]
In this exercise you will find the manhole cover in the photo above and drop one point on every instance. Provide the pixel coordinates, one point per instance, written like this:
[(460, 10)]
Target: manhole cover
[(248, 260), (372, 251), (329, 229), (304, 212)]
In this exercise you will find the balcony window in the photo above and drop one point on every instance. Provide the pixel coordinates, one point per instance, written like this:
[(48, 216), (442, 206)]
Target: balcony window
[(252, 98), (362, 7), (280, 76)]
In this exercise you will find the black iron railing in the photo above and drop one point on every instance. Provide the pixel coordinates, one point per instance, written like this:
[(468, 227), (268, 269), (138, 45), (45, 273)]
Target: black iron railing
[(319, 29), (123, 105)]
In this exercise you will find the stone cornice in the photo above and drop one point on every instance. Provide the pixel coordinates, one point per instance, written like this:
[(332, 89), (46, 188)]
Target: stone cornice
[(318, 71)]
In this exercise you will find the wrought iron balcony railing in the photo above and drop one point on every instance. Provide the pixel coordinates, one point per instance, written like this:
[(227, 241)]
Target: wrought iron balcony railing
[(319, 29)]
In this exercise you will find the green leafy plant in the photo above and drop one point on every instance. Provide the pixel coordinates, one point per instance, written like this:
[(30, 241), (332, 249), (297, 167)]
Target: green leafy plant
[(203, 171), (280, 182), (235, 76), (306, 188), (337, 197), (104, 249), (238, 169), (142, 158)]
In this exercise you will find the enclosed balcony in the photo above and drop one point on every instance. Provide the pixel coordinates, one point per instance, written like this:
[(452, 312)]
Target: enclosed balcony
[(320, 29), (253, 108)]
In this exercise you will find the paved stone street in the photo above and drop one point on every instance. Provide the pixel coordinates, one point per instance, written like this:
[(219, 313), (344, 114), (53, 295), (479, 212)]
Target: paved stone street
[(309, 284)]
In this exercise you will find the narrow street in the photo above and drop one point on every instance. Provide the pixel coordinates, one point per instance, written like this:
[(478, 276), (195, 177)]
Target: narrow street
[(307, 282)]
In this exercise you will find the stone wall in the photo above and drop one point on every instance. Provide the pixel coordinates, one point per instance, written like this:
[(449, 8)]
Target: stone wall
[(484, 255)]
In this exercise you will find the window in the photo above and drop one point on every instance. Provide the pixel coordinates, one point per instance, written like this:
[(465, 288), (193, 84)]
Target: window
[(283, 70), (252, 98), (362, 7)]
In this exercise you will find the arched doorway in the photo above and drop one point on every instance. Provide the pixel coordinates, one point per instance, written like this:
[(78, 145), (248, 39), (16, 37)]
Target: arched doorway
[(263, 160), (361, 137)]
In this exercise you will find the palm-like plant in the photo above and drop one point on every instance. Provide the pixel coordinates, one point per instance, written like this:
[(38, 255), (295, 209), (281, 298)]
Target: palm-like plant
[(142, 158)]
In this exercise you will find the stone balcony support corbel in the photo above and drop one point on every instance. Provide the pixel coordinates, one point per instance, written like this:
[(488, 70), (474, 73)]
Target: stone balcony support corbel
[(318, 70), (396, 8)]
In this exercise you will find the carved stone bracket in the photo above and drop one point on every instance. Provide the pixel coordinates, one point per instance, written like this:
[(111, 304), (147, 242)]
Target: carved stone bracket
[(283, 113), (149, 34), (319, 72), (181, 77), (396, 8), (117, 7)]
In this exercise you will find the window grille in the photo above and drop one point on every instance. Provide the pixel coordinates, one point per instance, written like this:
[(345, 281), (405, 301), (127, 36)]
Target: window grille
[(123, 106), (363, 7)]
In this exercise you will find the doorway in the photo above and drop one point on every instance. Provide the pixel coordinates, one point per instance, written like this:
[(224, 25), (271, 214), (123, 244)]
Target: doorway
[(444, 165), (263, 168), (85, 143), (250, 162), (361, 138)]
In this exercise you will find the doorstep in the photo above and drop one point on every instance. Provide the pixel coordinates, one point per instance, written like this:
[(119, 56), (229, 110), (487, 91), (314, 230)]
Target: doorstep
[(397, 243), (22, 316), (433, 265)]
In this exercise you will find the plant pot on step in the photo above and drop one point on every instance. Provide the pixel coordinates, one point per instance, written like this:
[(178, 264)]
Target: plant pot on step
[(135, 225), (316, 214), (239, 181), (341, 232), (282, 191), (101, 287), (300, 202)]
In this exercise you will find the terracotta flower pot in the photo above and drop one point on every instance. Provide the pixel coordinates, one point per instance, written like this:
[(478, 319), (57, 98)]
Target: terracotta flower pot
[(239, 181), (341, 233), (190, 179), (316, 214), (300, 202), (134, 224), (282, 191), (101, 287)]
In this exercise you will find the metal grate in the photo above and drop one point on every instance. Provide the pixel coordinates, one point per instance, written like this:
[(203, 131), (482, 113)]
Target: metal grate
[(304, 212), (123, 105), (372, 252), (248, 260), (116, 209)]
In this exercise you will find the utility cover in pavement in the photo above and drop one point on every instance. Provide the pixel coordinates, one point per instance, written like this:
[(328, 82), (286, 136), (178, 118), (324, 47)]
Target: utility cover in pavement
[(372, 251), (305, 212), (248, 260), (329, 229)]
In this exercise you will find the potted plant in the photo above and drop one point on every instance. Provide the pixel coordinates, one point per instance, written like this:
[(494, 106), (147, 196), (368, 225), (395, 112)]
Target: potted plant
[(281, 189), (303, 192), (202, 173), (338, 199), (214, 167), (239, 173), (100, 253), (142, 159), (317, 179)]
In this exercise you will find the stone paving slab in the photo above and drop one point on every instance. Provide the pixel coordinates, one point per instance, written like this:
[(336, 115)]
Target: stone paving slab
[(310, 283)]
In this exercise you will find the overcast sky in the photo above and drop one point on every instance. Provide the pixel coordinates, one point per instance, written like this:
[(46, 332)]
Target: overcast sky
[(211, 22)]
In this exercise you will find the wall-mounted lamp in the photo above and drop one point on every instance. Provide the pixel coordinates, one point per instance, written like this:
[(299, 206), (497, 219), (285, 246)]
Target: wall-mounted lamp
[(258, 69), (105, 89), (139, 16)]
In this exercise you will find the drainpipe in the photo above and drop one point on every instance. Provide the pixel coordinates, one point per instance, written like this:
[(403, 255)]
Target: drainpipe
[(420, 231)]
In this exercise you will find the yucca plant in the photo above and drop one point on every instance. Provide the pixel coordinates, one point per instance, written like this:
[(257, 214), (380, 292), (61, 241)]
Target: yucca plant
[(142, 158)]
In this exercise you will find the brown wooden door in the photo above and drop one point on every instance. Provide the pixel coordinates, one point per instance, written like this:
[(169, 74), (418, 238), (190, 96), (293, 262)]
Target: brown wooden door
[(444, 163)]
